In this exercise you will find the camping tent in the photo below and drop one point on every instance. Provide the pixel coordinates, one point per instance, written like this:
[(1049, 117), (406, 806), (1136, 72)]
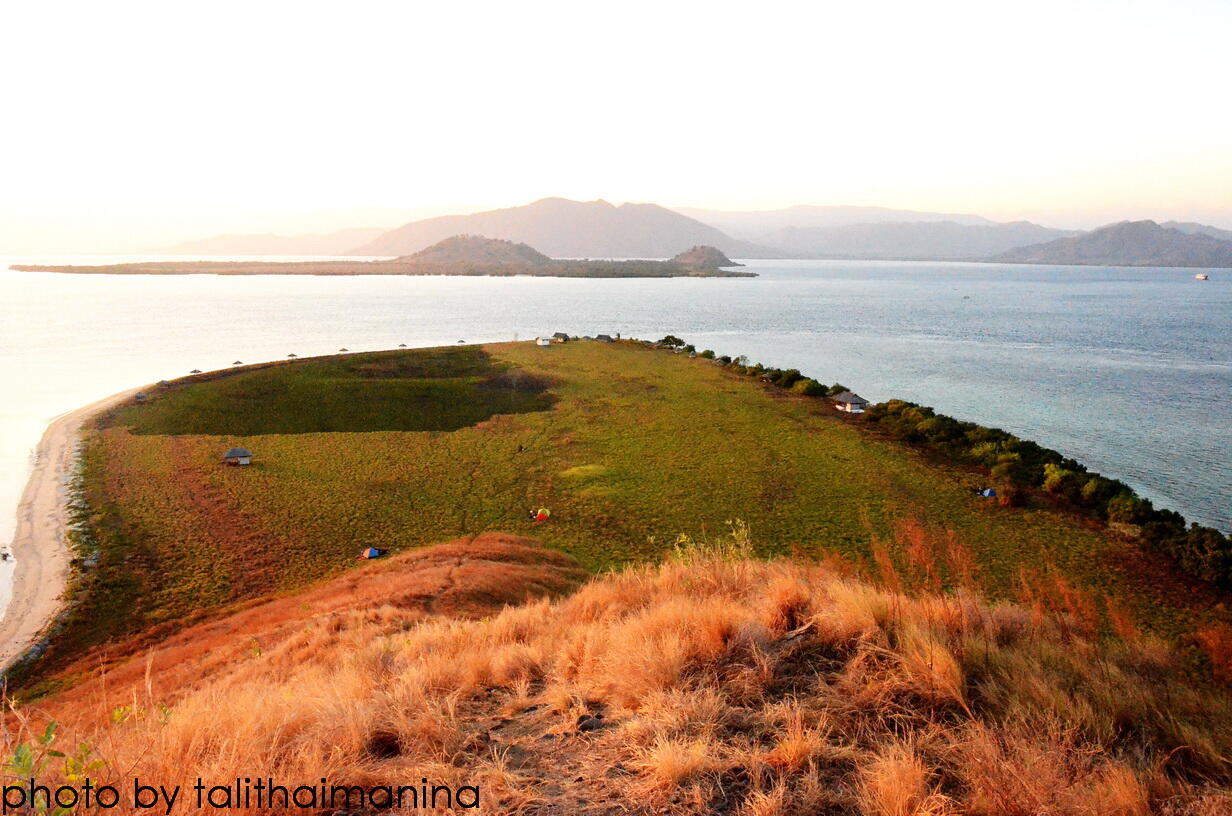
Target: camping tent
[(370, 552)]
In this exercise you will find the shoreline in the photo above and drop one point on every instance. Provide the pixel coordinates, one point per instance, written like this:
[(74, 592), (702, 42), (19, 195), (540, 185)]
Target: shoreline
[(40, 546)]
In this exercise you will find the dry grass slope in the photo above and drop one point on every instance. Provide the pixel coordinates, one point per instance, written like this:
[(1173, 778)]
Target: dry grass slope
[(711, 683)]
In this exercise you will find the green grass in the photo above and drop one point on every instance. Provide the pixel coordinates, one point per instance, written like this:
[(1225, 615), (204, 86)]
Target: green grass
[(423, 390), (638, 446)]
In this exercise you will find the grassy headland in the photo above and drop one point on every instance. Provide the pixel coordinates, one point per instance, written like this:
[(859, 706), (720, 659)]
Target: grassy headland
[(628, 446)]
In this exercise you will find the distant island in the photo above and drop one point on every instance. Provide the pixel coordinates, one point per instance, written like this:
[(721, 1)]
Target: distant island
[(464, 255), (1130, 243)]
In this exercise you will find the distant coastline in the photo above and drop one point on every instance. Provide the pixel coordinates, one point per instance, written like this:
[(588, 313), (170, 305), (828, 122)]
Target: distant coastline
[(556, 269), (459, 255)]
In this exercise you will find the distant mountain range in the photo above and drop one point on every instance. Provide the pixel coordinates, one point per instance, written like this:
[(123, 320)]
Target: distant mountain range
[(916, 240), (571, 229), (1129, 243), (756, 225), (1199, 229), (562, 228), (331, 243)]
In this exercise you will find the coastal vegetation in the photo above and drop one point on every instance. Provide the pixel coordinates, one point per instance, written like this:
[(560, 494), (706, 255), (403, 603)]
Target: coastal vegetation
[(1016, 465), (627, 446), (713, 681)]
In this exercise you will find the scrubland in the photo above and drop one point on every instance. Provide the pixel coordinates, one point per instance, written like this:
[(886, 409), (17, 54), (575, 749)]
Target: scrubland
[(711, 682)]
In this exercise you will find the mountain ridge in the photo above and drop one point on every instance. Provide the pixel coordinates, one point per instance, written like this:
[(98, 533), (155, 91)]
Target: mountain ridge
[(753, 224), (910, 240), (1127, 243), (562, 228)]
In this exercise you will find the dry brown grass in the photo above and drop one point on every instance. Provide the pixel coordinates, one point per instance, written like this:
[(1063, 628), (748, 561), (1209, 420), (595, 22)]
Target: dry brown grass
[(710, 683)]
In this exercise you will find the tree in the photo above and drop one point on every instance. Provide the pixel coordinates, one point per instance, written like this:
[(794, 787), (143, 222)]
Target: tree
[(809, 387), (672, 341), (789, 378)]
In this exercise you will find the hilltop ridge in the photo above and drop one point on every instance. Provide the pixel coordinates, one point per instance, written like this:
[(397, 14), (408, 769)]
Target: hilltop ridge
[(1128, 243), (563, 228), (712, 682), (478, 249), (704, 257)]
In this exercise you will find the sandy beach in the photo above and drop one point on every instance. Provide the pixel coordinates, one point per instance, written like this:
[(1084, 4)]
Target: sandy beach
[(40, 545)]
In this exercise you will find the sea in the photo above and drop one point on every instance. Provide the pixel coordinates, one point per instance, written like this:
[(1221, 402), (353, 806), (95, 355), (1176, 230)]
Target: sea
[(1128, 370)]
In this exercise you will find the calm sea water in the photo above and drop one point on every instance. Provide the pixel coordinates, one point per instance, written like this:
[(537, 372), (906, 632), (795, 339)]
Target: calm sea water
[(1127, 370)]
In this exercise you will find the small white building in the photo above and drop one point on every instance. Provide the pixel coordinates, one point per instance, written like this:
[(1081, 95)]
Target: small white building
[(849, 401), (542, 341), (238, 456)]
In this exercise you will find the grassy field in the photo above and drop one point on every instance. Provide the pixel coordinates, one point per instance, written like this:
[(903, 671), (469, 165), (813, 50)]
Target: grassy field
[(628, 446)]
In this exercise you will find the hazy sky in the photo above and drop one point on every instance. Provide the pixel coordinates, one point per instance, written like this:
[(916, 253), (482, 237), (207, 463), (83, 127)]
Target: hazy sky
[(127, 124)]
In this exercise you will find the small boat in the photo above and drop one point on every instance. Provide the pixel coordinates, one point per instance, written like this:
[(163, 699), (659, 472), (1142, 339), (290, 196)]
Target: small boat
[(1202, 276)]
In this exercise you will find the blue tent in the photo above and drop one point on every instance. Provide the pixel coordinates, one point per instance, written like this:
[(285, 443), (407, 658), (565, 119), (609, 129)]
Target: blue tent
[(370, 552), (989, 493)]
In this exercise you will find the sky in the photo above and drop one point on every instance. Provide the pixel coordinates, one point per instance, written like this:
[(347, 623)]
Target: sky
[(127, 125)]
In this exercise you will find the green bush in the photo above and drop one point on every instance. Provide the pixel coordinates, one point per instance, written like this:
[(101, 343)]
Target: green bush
[(809, 387)]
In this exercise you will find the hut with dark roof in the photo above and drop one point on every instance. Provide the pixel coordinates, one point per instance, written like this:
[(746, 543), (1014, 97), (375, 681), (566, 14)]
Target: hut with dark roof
[(238, 456), (849, 401)]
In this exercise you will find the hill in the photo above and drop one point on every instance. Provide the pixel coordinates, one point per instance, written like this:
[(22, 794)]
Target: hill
[(330, 243), (1128, 243), (935, 240), (704, 257), (569, 229), (714, 682), (475, 249), (756, 225), (1194, 228)]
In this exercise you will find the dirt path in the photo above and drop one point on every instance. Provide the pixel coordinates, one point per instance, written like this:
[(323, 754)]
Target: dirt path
[(40, 545)]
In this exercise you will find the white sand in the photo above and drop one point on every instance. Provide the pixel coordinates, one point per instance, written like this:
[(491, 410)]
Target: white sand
[(40, 545)]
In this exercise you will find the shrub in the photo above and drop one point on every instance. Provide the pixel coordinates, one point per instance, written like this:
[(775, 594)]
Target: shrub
[(1203, 552), (809, 387), (789, 378), (707, 355)]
